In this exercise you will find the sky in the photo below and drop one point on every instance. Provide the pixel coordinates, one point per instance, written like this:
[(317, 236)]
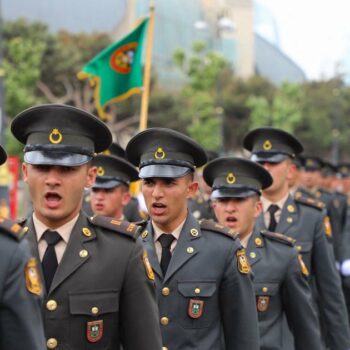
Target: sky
[(314, 33)]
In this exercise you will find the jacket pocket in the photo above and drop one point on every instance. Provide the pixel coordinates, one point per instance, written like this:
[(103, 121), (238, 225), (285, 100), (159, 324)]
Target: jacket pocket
[(93, 319), (198, 304), (266, 296)]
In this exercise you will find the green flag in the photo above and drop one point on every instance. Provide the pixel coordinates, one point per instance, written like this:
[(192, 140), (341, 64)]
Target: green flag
[(116, 72)]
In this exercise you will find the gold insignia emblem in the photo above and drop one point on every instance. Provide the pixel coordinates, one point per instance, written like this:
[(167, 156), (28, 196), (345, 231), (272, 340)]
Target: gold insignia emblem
[(303, 267), (148, 267), (159, 153), (55, 136), (116, 222), (107, 152), (15, 228), (242, 262), (83, 253), (258, 241), (230, 178), (309, 162), (194, 232), (86, 232), (327, 226), (290, 208), (32, 277), (100, 171), (252, 255), (262, 303), (267, 145), (144, 234), (289, 220), (190, 250)]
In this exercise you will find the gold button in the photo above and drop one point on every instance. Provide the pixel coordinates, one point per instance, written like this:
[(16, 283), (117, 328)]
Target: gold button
[(265, 289), (25, 229), (144, 234), (165, 291), (52, 343), (83, 253), (86, 232), (252, 255), (194, 232), (290, 208), (197, 290), (51, 305), (289, 220), (190, 250), (299, 247), (94, 310), (258, 241), (164, 348), (164, 321)]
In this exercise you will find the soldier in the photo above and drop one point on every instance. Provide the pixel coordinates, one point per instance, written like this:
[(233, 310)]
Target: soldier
[(280, 274), (98, 294), (21, 289), (205, 294), (303, 220), (110, 192)]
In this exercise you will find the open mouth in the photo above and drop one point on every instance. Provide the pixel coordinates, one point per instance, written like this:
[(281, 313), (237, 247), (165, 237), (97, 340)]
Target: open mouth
[(158, 208), (52, 199), (231, 219)]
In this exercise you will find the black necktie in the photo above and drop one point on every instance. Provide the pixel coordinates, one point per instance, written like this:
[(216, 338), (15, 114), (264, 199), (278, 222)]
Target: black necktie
[(273, 208), (165, 241), (49, 262)]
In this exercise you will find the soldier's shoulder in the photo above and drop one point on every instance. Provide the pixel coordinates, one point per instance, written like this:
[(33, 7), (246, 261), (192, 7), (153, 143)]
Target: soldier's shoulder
[(125, 228), (11, 229), (278, 237), (212, 226), (309, 201)]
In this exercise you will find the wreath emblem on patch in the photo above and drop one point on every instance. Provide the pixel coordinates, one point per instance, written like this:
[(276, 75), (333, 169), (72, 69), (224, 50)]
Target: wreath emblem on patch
[(122, 58), (195, 308), (262, 303), (55, 136), (94, 331), (267, 145), (159, 153), (230, 178)]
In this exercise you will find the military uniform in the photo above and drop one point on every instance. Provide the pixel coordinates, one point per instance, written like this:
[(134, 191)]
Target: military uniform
[(20, 294), (101, 295), (205, 270), (205, 296)]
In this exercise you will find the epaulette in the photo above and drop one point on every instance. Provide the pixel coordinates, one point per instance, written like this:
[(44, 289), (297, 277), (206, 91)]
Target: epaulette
[(141, 223), (279, 237), (213, 226), (11, 228), (311, 202), (126, 228)]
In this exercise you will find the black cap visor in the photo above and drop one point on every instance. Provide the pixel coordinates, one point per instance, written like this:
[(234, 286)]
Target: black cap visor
[(163, 171), (56, 158)]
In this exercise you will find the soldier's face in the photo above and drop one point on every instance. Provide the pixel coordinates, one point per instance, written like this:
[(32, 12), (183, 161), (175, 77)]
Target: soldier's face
[(280, 173), (109, 202), (311, 179), (166, 200), (238, 214), (57, 191)]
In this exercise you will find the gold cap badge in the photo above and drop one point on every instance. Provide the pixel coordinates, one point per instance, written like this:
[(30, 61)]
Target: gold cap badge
[(230, 178), (159, 153), (55, 136), (267, 145)]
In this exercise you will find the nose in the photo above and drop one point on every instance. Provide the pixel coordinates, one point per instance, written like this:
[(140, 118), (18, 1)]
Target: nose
[(231, 206), (157, 191), (53, 177)]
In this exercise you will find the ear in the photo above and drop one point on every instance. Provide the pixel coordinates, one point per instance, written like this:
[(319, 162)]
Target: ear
[(91, 176), (291, 170), (192, 189), (25, 172), (258, 208), (126, 198)]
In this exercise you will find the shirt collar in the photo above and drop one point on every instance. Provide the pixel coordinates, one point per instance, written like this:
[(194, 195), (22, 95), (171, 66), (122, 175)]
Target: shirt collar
[(266, 203), (176, 233), (64, 230), (245, 240)]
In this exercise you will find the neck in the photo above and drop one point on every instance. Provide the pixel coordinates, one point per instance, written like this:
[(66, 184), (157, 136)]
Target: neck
[(275, 197)]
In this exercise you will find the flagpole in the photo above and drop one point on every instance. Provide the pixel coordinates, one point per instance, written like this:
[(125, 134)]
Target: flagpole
[(147, 72)]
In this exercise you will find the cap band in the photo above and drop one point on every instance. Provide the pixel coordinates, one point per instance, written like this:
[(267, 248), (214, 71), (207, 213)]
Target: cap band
[(59, 148)]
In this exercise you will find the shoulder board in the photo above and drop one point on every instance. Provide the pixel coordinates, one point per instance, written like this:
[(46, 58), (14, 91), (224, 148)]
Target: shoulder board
[(126, 228), (279, 237), (311, 202), (11, 228), (141, 223), (213, 226)]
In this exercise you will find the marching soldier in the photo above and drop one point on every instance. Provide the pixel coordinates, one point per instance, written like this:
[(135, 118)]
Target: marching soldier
[(205, 294), (110, 192), (280, 274), (97, 292), (21, 289), (303, 220)]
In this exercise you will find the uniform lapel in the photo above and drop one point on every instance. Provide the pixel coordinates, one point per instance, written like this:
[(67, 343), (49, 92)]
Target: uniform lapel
[(147, 237), (254, 246), (78, 251), (187, 246), (288, 215)]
